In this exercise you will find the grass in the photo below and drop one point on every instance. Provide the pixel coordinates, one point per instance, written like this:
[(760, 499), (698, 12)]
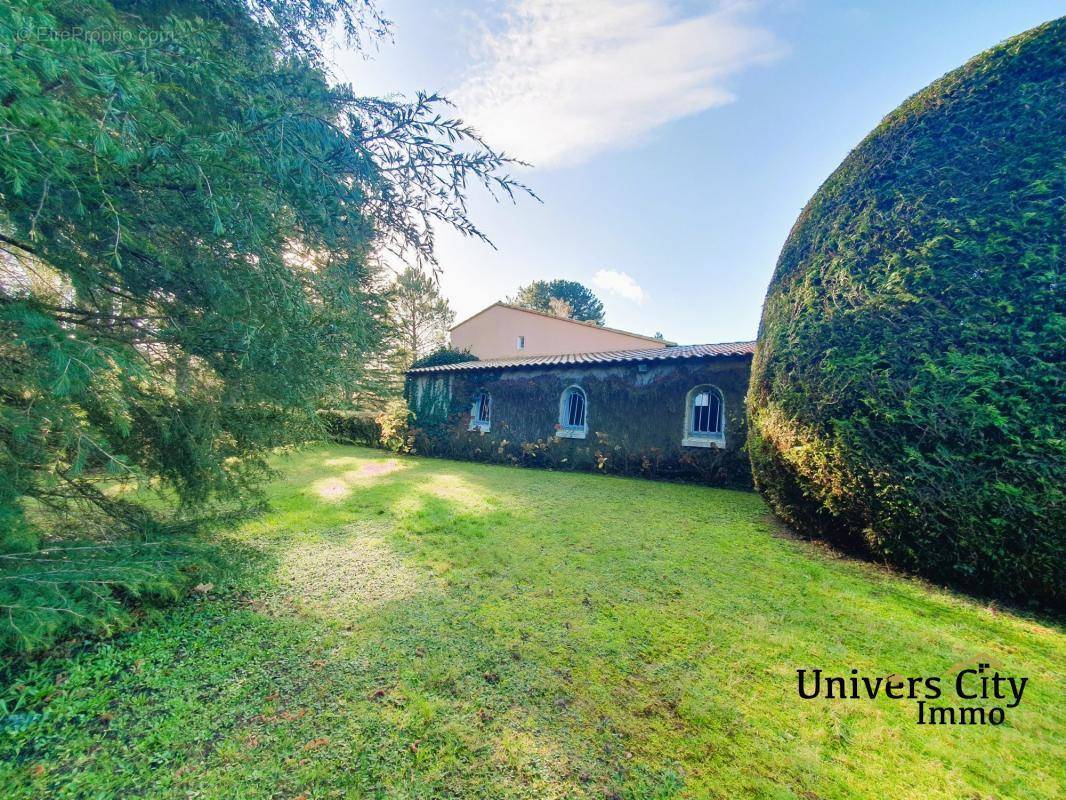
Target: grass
[(424, 628)]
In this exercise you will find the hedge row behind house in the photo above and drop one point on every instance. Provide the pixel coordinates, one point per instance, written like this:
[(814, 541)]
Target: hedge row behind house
[(351, 427)]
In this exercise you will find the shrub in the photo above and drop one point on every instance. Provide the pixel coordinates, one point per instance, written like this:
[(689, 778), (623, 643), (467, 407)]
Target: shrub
[(351, 427), (394, 423), (906, 393)]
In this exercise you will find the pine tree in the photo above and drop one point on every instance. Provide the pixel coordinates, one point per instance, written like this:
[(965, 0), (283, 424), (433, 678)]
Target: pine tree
[(563, 298), (420, 315)]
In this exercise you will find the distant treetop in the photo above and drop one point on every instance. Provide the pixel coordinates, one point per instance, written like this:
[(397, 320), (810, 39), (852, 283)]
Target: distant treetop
[(562, 298), (444, 355)]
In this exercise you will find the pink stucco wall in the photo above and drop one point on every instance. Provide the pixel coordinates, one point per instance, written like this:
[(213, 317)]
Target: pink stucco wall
[(494, 333)]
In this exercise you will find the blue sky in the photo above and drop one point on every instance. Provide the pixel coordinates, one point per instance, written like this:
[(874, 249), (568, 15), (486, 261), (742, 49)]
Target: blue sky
[(673, 142)]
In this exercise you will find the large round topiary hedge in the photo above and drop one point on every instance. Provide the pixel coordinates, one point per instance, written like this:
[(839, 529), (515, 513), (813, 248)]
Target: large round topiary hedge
[(907, 391)]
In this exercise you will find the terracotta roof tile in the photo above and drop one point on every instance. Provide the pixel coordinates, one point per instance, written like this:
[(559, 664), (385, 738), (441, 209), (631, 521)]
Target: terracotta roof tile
[(605, 357)]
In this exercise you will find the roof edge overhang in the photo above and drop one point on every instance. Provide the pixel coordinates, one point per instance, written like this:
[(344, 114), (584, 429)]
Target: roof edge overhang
[(740, 350)]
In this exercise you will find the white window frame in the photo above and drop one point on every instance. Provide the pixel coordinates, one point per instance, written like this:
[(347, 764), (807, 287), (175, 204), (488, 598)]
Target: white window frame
[(476, 424), (691, 438), (565, 431), (520, 343)]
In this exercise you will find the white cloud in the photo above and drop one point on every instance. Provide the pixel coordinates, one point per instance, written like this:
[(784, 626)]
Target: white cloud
[(565, 79), (619, 283)]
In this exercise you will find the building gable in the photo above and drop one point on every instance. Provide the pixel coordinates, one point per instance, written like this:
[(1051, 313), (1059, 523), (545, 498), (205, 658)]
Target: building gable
[(506, 331)]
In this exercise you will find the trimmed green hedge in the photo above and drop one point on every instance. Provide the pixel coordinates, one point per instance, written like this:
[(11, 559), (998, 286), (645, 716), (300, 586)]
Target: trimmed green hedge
[(907, 390), (351, 427)]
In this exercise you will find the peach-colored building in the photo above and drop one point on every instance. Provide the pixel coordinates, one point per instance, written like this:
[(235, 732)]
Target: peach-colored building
[(506, 331)]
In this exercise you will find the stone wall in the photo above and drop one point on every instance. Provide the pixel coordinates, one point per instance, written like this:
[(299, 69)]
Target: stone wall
[(636, 418)]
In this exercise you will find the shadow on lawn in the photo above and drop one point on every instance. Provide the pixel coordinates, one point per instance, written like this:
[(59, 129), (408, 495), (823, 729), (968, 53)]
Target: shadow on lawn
[(459, 630), (445, 696), (455, 693), (644, 610)]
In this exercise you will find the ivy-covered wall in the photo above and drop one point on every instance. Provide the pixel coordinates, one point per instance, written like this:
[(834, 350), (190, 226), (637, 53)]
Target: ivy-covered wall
[(636, 418)]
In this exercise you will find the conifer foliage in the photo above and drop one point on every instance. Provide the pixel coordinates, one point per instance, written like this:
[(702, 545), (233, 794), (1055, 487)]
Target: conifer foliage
[(187, 207), (907, 389), (563, 298)]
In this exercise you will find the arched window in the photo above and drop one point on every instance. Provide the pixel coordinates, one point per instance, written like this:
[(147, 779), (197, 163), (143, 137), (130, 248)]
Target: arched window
[(573, 414), (481, 412), (704, 418)]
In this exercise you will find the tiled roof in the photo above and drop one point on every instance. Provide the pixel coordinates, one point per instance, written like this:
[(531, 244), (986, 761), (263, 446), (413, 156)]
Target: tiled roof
[(606, 357)]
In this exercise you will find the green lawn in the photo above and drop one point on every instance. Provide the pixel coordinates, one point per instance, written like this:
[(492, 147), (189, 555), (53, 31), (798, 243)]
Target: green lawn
[(406, 627)]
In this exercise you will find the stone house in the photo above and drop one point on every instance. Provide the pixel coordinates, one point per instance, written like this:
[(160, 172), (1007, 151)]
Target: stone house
[(666, 411)]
